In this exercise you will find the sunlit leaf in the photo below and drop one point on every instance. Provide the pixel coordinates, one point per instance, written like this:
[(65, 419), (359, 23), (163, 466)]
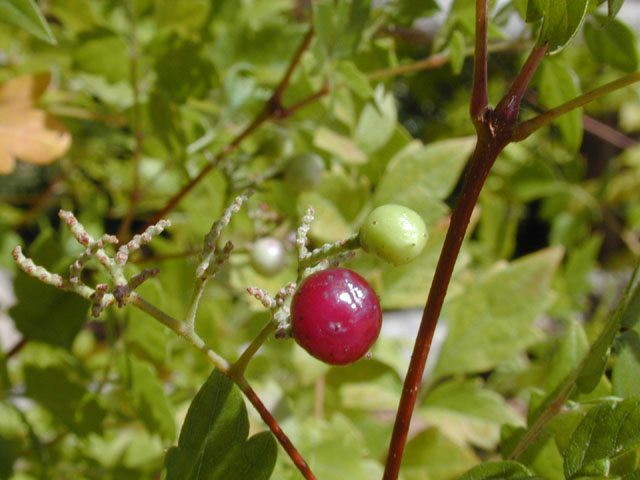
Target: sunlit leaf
[(612, 42), (26, 14), (607, 431), (498, 471)]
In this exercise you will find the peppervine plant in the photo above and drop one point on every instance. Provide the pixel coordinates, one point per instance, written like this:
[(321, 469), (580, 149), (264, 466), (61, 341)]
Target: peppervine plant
[(323, 303)]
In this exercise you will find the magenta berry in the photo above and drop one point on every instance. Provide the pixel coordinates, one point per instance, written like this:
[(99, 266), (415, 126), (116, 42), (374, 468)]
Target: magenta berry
[(336, 316)]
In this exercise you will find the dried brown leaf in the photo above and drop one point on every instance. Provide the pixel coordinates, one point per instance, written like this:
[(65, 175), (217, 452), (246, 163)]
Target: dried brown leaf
[(26, 132)]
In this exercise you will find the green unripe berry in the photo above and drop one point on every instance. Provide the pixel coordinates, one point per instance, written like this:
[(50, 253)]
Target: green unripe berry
[(304, 172), (268, 256), (394, 233)]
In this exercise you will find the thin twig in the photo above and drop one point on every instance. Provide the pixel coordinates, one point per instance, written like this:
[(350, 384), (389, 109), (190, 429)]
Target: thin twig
[(272, 109), (479, 93), (439, 59), (525, 129), (137, 126)]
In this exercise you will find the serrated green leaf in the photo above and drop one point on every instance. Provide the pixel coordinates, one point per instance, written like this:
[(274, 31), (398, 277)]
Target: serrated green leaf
[(339, 25), (213, 440), (376, 123), (506, 470), (56, 317), (339, 145), (561, 20), (329, 225), (557, 84), (494, 318), (608, 430), (26, 14), (335, 448), (625, 376), (104, 53), (420, 176), (431, 455), (355, 79), (182, 70), (466, 411), (570, 352), (185, 16), (147, 396), (66, 398), (612, 42)]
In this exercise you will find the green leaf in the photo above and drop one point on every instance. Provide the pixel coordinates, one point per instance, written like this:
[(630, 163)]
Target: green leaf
[(506, 470), (47, 314), (147, 396), (102, 52), (608, 430), (557, 84), (571, 351), (335, 448), (405, 12), (420, 176), (466, 411), (612, 42), (67, 399), (494, 317), (561, 20), (631, 314), (329, 225), (213, 441), (339, 145), (614, 7), (355, 79), (7, 459), (182, 70), (456, 50), (376, 123), (185, 16), (431, 455), (26, 14), (625, 376), (339, 25)]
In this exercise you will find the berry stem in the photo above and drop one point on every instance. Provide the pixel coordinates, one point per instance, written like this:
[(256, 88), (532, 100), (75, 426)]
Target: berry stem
[(238, 368), (329, 250)]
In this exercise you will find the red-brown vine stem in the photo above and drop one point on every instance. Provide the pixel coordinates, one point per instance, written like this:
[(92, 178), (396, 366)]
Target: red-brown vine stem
[(494, 130), (275, 429)]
